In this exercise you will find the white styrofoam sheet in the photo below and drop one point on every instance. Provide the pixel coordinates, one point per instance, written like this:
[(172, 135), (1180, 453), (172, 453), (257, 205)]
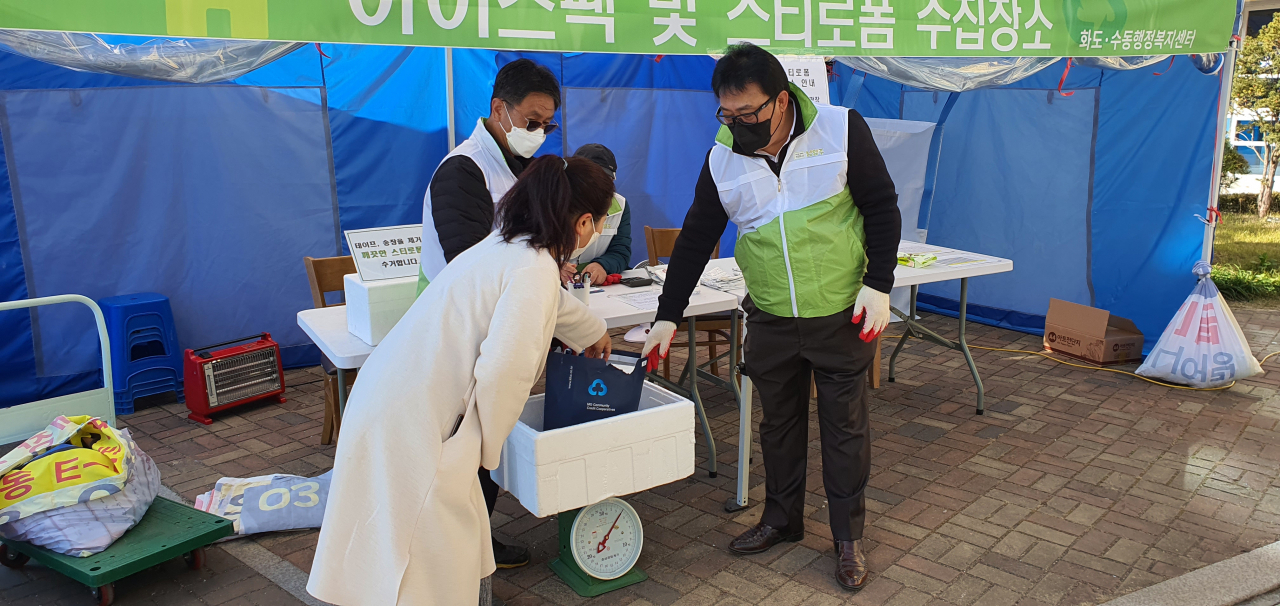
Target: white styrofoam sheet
[(373, 308), (571, 467)]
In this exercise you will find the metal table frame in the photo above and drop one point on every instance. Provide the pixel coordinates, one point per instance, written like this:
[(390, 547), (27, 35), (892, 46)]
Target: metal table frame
[(917, 331), (693, 369)]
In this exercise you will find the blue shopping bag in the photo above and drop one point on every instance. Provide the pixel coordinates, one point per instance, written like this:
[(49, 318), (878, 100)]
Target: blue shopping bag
[(581, 389)]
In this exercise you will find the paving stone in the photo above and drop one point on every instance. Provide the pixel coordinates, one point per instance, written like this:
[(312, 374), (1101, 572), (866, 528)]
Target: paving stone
[(1076, 487)]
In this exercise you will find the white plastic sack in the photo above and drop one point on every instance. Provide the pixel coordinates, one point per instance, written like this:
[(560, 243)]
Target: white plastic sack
[(1203, 345), (91, 526)]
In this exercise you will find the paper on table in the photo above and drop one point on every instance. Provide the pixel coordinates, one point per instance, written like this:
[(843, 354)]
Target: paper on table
[(647, 300), (961, 260), (918, 248)]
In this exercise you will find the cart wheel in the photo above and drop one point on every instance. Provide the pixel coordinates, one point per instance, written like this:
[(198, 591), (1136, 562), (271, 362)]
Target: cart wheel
[(12, 558), (194, 558), (105, 594)]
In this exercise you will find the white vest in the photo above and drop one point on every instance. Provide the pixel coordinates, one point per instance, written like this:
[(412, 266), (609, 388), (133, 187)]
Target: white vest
[(610, 230), (814, 170), (498, 179), (800, 237)]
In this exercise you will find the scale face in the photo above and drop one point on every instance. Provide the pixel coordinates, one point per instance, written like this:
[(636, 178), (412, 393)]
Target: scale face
[(607, 538)]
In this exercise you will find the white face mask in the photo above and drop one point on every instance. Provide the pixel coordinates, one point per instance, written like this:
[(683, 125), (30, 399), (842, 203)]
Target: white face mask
[(522, 142), (595, 235)]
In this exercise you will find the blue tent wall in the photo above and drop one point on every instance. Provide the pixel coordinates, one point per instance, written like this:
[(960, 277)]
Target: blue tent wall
[(1109, 177), (1151, 164), (387, 122)]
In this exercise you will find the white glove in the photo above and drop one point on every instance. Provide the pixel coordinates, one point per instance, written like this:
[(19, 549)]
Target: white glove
[(658, 343), (875, 306)]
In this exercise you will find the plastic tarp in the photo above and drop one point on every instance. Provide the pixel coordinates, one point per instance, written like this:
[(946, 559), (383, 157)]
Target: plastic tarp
[(193, 61), (207, 210), (1112, 181), (1092, 195), (950, 73)]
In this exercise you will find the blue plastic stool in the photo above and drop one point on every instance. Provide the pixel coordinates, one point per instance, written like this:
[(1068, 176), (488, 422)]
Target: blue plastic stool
[(145, 359)]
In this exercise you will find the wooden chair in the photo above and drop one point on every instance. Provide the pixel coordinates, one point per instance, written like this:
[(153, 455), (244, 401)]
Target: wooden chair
[(660, 243), (326, 276)]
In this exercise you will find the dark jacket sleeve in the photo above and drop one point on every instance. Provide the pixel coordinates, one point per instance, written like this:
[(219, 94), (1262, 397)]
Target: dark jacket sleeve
[(617, 257), (703, 226), (461, 206), (877, 199)]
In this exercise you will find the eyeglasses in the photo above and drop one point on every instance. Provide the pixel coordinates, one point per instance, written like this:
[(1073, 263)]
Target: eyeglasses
[(547, 127), (748, 118)]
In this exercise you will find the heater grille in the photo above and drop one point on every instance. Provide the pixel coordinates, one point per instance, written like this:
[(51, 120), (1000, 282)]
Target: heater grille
[(240, 377)]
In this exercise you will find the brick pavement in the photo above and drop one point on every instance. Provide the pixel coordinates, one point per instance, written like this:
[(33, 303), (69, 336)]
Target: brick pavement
[(1076, 487)]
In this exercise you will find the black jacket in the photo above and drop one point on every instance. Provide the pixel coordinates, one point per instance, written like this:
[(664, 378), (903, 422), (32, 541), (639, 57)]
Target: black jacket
[(461, 206)]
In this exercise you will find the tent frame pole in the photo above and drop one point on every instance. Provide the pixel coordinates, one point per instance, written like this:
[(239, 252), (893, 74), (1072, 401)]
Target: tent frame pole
[(1223, 139), (448, 91)]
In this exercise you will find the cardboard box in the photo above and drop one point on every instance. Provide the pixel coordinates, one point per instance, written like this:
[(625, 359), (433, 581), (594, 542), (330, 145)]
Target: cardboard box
[(571, 467), (374, 307), (1091, 334)]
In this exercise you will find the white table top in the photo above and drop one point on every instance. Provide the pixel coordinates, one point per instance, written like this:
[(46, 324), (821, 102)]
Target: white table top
[(327, 327), (967, 265)]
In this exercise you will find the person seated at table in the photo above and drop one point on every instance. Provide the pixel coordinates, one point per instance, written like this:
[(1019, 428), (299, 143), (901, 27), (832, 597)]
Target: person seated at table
[(406, 521), (611, 253)]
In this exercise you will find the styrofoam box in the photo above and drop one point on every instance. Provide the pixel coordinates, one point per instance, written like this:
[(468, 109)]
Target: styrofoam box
[(374, 307), (571, 467)]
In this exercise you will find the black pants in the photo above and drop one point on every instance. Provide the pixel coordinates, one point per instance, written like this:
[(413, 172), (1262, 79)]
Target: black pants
[(781, 354), (489, 488)]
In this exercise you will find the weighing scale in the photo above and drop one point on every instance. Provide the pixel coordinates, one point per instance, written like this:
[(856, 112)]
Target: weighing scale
[(599, 547)]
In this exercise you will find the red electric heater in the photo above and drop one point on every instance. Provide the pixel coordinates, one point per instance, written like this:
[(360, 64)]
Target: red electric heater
[(222, 379)]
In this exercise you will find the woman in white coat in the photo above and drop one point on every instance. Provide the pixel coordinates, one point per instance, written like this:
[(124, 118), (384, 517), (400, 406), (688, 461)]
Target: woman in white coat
[(406, 522)]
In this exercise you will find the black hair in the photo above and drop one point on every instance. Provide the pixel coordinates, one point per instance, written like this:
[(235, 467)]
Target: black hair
[(516, 80), (747, 63), (550, 195)]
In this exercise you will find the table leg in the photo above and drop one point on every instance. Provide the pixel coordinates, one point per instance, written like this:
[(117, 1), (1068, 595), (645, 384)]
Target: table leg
[(743, 393), (964, 346), (342, 392), (906, 333), (697, 399)]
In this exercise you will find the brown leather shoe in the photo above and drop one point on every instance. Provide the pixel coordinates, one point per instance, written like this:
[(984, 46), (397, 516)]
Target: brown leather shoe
[(760, 538), (851, 565)]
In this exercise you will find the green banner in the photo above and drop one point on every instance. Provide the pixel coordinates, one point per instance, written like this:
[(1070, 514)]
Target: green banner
[(910, 28)]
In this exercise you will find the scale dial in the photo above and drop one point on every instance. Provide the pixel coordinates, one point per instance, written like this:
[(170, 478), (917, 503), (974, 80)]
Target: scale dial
[(607, 538)]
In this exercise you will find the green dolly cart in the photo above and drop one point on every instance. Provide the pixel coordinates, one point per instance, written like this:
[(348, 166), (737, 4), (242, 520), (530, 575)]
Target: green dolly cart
[(167, 531)]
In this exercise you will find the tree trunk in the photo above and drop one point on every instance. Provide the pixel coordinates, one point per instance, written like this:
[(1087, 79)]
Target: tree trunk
[(1268, 183)]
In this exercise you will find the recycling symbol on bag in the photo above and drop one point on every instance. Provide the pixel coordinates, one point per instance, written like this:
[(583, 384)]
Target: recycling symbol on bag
[(597, 388)]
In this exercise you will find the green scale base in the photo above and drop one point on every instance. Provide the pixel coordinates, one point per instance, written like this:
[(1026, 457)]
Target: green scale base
[(580, 582)]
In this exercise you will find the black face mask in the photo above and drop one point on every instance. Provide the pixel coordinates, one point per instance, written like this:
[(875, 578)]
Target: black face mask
[(749, 138)]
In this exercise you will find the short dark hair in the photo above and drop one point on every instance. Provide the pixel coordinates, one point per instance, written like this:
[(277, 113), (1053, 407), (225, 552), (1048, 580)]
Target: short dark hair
[(747, 63), (551, 193), (520, 78)]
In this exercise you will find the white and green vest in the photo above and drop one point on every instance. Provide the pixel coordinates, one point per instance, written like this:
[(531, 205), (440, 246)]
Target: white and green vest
[(611, 222), (800, 237)]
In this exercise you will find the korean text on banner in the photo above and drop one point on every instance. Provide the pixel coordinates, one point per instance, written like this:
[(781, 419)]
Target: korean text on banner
[(891, 28), (74, 460)]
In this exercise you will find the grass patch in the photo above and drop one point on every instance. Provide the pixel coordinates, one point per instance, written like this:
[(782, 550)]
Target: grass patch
[(1247, 259)]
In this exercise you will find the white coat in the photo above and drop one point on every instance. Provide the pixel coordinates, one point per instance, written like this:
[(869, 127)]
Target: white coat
[(405, 521)]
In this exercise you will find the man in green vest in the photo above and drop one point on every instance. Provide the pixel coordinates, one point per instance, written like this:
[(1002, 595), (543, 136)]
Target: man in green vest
[(818, 231)]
